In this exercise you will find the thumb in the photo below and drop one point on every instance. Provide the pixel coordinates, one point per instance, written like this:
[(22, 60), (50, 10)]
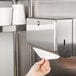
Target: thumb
[(37, 65), (41, 62)]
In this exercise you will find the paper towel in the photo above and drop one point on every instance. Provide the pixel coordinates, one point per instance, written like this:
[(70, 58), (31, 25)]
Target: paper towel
[(18, 14), (5, 16), (44, 54)]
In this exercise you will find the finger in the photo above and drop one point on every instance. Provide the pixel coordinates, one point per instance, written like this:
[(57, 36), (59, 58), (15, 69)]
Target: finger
[(41, 62), (48, 70), (46, 63), (45, 70), (37, 65)]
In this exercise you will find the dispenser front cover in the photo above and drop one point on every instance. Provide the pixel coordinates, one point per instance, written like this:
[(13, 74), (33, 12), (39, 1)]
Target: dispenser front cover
[(41, 33)]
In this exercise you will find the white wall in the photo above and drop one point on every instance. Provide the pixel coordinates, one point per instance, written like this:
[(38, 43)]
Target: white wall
[(6, 54), (57, 9), (5, 3), (54, 8)]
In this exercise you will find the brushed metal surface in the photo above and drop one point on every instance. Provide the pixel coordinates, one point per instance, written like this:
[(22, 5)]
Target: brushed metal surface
[(74, 37), (64, 37), (42, 33), (24, 54)]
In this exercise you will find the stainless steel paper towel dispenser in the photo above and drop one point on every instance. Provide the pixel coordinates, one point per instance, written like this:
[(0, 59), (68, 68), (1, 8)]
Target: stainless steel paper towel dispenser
[(51, 34), (42, 33)]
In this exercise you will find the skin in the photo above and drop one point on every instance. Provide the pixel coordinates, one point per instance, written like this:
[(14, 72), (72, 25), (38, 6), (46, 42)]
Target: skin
[(40, 68)]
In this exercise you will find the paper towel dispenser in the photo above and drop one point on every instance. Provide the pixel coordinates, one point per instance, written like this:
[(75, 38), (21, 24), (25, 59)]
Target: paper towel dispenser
[(52, 35), (42, 33)]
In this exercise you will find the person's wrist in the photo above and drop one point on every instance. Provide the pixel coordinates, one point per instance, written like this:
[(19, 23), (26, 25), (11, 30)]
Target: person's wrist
[(30, 73)]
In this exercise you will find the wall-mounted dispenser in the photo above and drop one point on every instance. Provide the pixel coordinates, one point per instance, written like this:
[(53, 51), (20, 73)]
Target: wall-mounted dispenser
[(52, 35), (42, 33)]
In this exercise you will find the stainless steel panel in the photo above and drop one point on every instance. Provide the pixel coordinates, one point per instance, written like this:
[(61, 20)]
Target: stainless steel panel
[(16, 53), (74, 37), (24, 54), (42, 33), (64, 37)]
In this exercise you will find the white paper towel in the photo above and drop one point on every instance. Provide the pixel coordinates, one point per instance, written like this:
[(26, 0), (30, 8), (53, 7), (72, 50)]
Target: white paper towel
[(5, 16), (18, 14), (44, 54)]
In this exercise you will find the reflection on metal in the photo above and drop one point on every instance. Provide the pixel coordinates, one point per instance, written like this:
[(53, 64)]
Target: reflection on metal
[(16, 53), (42, 35), (74, 37), (64, 37), (22, 54)]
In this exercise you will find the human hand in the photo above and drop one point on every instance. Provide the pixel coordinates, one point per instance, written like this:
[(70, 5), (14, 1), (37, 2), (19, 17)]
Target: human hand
[(40, 68)]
